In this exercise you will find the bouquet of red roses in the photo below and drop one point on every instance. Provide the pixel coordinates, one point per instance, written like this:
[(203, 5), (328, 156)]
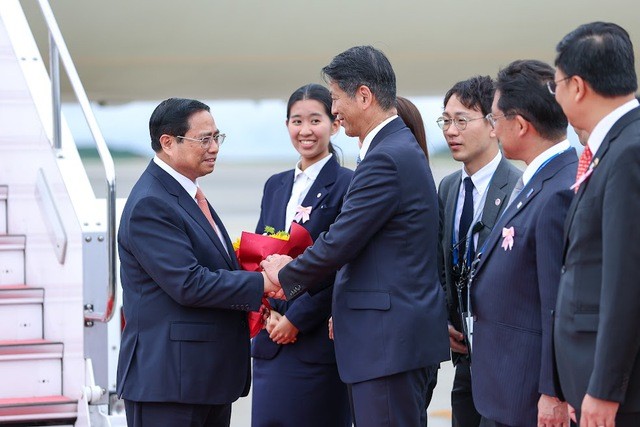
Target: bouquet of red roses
[(253, 248)]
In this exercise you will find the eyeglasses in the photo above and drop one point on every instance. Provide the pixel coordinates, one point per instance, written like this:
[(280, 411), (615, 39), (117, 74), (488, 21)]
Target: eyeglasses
[(205, 142), (493, 119), (552, 85), (459, 122)]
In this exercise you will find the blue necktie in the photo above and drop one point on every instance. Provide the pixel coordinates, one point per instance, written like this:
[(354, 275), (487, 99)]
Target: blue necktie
[(465, 221), (358, 160)]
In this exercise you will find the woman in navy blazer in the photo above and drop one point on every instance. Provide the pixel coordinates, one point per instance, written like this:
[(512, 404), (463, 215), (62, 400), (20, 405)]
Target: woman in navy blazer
[(293, 359)]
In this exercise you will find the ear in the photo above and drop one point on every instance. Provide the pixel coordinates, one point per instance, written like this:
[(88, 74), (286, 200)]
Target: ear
[(364, 97), (167, 142), (523, 125), (580, 88), (335, 127)]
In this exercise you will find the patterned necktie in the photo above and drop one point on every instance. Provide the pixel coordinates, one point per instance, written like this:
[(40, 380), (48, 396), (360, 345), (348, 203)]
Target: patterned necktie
[(466, 218), (358, 160), (583, 164), (204, 207)]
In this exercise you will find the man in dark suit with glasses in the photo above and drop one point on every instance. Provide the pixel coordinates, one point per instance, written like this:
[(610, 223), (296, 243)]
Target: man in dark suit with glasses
[(469, 216)]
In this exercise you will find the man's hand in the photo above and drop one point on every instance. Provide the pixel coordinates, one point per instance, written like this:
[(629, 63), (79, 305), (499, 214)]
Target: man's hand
[(272, 290), (598, 412), (456, 341), (272, 321), (572, 413), (272, 266), (552, 412), (284, 332)]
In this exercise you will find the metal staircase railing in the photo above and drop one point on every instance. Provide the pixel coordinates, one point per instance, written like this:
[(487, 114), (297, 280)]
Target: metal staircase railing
[(58, 52)]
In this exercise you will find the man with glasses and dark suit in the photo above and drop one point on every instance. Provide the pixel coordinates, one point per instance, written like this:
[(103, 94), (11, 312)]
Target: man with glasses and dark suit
[(597, 319), (514, 280), (184, 356), (472, 200)]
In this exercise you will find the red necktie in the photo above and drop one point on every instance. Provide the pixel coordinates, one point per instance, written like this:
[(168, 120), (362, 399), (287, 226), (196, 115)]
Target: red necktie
[(204, 207), (583, 163)]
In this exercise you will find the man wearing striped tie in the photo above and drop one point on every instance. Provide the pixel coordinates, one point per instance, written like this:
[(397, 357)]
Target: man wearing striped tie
[(597, 319)]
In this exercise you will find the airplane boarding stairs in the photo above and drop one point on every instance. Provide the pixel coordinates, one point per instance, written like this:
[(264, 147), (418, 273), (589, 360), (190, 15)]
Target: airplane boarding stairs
[(56, 362)]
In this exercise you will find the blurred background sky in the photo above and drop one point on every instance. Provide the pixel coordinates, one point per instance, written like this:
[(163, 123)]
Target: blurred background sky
[(255, 130)]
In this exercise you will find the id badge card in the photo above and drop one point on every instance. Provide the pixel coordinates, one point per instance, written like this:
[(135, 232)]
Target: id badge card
[(468, 318)]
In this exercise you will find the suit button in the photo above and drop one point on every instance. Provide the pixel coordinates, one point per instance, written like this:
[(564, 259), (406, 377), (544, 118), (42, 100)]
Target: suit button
[(563, 269)]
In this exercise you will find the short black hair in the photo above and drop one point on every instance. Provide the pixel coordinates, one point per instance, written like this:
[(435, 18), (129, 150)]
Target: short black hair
[(364, 65), (602, 54), (523, 91), (171, 117), (475, 93)]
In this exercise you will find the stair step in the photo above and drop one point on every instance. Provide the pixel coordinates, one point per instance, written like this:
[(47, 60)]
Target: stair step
[(4, 193), (20, 294), (12, 259), (30, 368), (21, 312), (27, 411), (30, 349)]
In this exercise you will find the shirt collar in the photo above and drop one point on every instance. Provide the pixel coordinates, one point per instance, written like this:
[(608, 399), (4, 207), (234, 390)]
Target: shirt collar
[(604, 126), (189, 186), (482, 177), (369, 138), (533, 167), (313, 170)]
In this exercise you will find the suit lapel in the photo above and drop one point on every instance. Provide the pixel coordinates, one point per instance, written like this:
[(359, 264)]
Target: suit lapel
[(622, 123), (529, 193), (191, 207), (495, 201), (280, 199), (450, 212), (320, 187), (391, 127)]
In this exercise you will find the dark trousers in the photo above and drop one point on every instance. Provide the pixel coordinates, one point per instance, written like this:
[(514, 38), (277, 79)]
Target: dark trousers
[(463, 410), (396, 400), (169, 414), (431, 385)]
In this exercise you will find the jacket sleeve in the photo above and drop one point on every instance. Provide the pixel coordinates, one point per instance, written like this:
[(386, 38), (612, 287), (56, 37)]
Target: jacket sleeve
[(372, 199), (618, 339), (549, 247), (160, 242)]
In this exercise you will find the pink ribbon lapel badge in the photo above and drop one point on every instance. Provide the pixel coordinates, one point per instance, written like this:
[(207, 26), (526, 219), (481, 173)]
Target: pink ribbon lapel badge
[(302, 214), (582, 179), (507, 241)]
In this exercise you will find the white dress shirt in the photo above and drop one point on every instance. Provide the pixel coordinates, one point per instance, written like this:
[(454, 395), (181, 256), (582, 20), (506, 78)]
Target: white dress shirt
[(533, 167), (302, 182), (190, 187), (367, 139), (604, 126)]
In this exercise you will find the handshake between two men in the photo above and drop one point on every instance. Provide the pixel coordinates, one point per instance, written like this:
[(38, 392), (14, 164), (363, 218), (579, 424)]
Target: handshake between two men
[(271, 266)]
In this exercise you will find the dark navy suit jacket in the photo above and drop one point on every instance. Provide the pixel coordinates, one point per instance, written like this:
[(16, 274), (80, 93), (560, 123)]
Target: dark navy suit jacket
[(186, 338), (389, 311), (308, 313), (513, 295), (597, 333)]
